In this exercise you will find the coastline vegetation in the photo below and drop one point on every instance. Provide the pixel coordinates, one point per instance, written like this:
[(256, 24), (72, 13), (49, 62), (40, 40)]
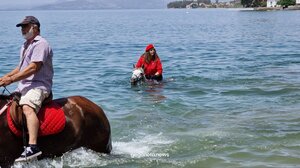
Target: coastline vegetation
[(231, 4), (183, 4)]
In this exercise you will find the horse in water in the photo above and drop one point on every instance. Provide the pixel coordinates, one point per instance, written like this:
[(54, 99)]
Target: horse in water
[(85, 125), (138, 76)]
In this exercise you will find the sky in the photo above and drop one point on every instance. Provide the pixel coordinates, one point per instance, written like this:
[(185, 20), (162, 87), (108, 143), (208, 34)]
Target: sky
[(24, 3)]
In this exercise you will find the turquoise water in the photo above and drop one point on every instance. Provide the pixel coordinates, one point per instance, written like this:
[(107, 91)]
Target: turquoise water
[(231, 90)]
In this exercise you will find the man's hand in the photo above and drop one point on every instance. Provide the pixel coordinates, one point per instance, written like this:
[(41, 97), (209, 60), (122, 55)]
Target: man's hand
[(4, 81)]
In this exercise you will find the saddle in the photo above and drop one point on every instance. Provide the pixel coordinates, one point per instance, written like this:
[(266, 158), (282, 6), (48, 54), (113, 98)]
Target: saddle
[(51, 117)]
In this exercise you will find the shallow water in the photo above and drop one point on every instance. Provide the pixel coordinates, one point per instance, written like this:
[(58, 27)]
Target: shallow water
[(230, 96)]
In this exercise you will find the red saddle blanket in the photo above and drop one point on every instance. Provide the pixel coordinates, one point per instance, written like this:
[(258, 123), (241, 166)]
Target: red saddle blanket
[(51, 116)]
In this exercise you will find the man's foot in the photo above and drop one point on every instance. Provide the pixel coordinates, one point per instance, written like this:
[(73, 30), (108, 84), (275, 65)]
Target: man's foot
[(29, 153)]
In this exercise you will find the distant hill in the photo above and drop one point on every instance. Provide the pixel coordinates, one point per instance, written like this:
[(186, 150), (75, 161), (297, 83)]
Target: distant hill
[(105, 4)]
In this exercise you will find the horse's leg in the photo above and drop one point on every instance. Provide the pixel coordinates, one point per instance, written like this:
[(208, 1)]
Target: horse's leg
[(11, 146), (57, 144), (6, 162)]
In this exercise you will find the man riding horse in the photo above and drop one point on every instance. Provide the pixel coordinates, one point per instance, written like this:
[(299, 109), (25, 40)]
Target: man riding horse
[(35, 74)]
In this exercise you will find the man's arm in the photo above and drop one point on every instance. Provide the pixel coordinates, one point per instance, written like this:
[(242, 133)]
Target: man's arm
[(11, 73), (16, 75), (31, 69)]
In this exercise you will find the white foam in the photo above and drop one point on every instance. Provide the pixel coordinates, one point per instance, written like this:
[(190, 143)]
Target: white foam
[(80, 157), (57, 163), (145, 145), (83, 156), (142, 146)]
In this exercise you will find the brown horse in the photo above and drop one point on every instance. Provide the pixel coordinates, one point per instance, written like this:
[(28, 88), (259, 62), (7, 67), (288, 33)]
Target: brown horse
[(86, 126)]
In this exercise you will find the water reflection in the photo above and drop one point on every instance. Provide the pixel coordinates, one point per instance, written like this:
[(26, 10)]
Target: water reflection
[(152, 91)]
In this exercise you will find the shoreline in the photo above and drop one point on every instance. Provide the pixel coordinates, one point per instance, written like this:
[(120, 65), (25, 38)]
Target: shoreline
[(296, 7)]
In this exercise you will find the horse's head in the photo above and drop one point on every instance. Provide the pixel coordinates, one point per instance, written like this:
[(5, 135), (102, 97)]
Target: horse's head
[(138, 75), (5, 98)]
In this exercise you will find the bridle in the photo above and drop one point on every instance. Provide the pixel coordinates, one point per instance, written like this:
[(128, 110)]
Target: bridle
[(138, 77), (9, 100)]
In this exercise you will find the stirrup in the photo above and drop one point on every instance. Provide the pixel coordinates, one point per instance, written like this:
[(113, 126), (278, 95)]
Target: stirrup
[(28, 155)]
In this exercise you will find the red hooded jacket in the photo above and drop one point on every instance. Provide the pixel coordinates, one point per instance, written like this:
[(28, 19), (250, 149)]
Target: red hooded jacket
[(150, 68)]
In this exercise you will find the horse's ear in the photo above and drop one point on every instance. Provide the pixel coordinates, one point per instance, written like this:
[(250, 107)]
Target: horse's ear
[(133, 65)]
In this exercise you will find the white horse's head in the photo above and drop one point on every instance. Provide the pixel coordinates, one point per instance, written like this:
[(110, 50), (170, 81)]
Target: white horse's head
[(138, 75)]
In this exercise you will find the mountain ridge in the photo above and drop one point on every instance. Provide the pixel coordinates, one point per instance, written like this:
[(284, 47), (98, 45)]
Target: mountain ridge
[(104, 4)]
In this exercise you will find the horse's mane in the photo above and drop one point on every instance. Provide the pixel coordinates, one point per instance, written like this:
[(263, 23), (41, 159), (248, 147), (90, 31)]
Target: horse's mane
[(4, 97), (138, 69), (14, 94)]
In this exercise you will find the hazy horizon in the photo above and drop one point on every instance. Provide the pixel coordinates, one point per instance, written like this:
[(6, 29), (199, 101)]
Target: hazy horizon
[(24, 3), (30, 4)]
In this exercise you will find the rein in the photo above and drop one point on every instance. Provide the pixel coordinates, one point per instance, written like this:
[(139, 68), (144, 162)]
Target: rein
[(6, 106), (8, 102)]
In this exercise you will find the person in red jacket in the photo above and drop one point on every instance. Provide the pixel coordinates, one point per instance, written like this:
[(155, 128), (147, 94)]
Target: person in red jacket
[(151, 63)]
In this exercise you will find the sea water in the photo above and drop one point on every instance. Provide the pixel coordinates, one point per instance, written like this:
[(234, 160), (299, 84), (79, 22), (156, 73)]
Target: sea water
[(230, 95)]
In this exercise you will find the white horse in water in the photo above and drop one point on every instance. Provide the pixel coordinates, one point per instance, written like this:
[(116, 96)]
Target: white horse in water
[(138, 76)]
